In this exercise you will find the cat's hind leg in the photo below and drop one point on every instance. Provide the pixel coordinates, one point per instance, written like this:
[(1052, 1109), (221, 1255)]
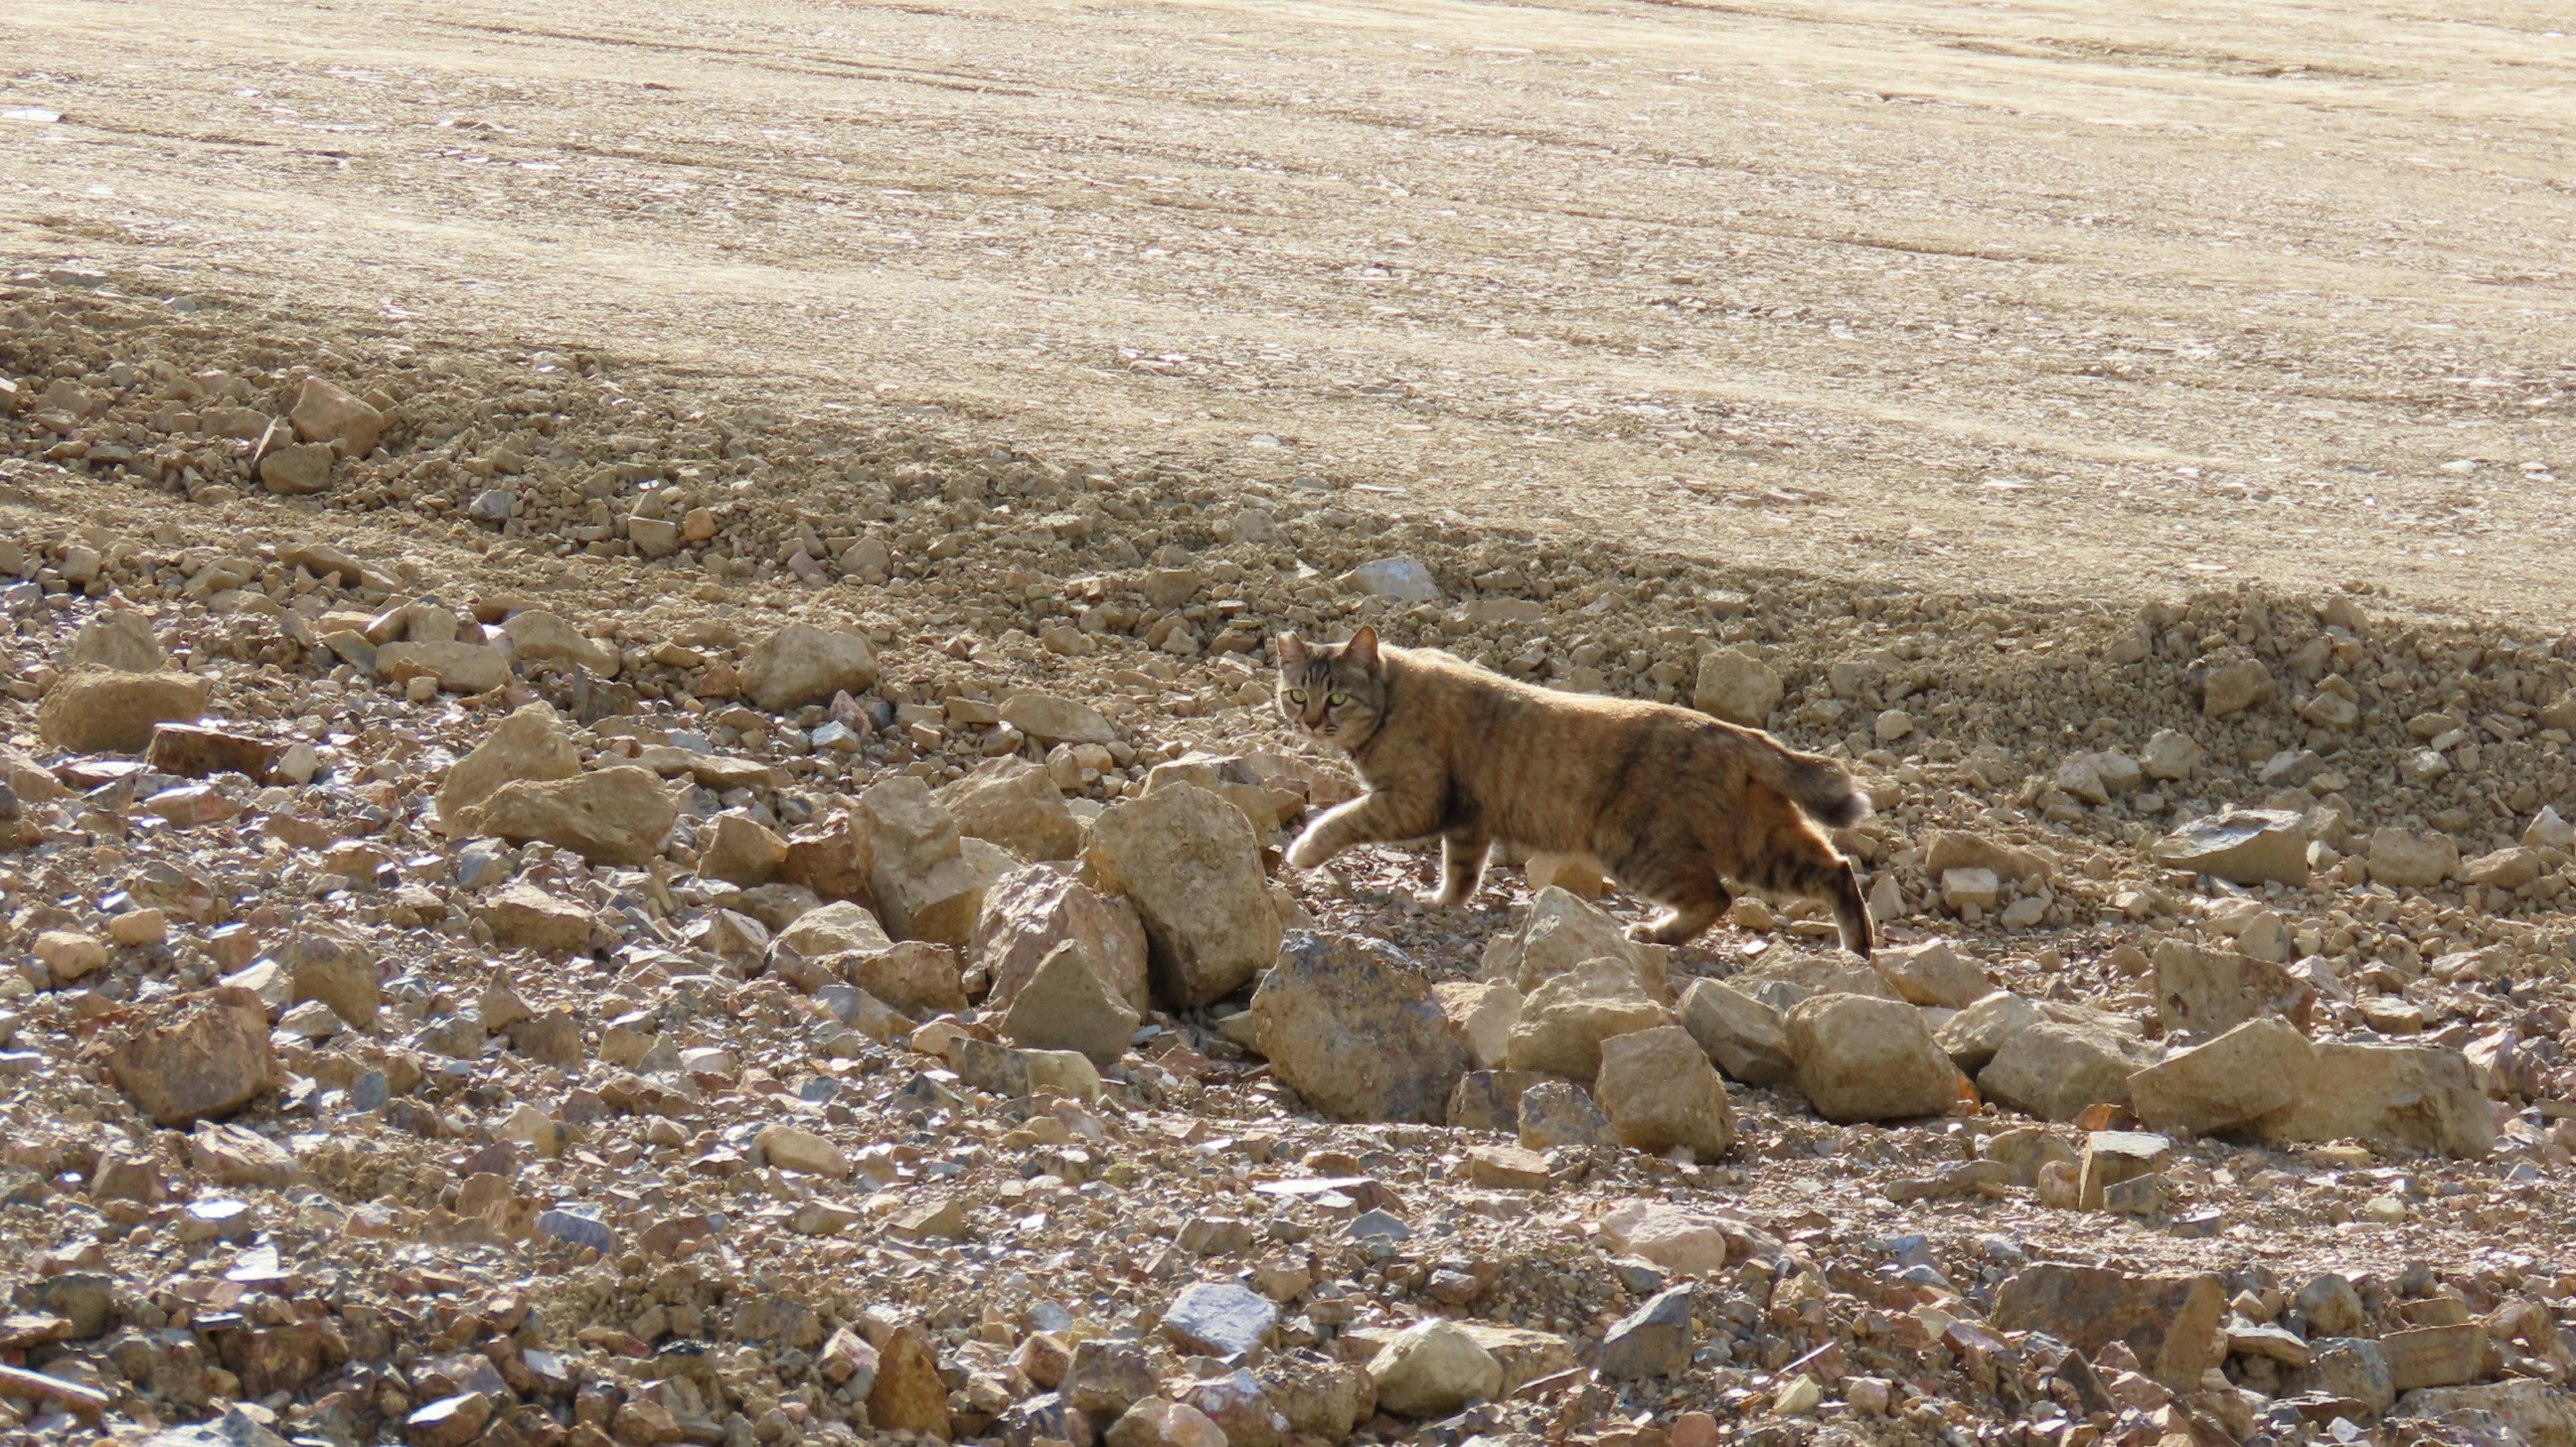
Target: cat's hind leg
[(1462, 868), (1686, 883)]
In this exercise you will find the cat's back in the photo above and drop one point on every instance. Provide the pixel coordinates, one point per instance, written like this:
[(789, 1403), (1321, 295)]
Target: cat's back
[(1439, 693)]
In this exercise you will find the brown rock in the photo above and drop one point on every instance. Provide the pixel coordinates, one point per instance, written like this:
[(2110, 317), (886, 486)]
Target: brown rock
[(2207, 991), (925, 884), (1660, 1091), (1564, 1020), (1738, 1032), (296, 469), (1066, 1005), (909, 975), (1015, 804), (1030, 911), (801, 664), (2434, 1356), (1192, 865), (524, 917), (908, 1395), (738, 849), (194, 752), (449, 1421), (229, 1155), (1861, 1058), (328, 967), (2421, 1097), (2169, 1322), (2259, 1067), (94, 710), (530, 745), (324, 413), (200, 1056), (121, 639), (2057, 1071), (609, 816)]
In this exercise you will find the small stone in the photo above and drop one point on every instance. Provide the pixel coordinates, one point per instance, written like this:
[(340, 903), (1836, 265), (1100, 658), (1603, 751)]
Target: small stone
[(1861, 1058), (324, 413), (1406, 580), (138, 929), (2353, 1369), (1353, 1028), (450, 1421), (1973, 1036), (1052, 720), (326, 966), (795, 1148), (69, 954), (1432, 1368), (1482, 1012), (192, 751), (527, 918), (1220, 1318), (1680, 1240), (2232, 688), (229, 1155), (1970, 888), (538, 636), (617, 815), (738, 849), (296, 469), (2409, 860), (1660, 1092), (908, 1395), (1506, 1168), (1655, 1340), (1932, 973), (1736, 686), (529, 744)]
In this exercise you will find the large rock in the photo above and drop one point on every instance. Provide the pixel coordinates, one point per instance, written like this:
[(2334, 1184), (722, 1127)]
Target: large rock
[(616, 815), (1352, 1027), (1932, 973), (2259, 1067), (2204, 991), (909, 975), (1972, 1037), (1660, 1091), (524, 917), (1564, 930), (2405, 859), (908, 1395), (1433, 1368), (2537, 1413), (295, 469), (1260, 796), (1736, 686), (324, 413), (1030, 911), (119, 639), (1066, 1005), (1192, 864), (2054, 1071), (1220, 1318), (841, 927), (1676, 1238), (1051, 720), (1319, 1397), (2170, 1321), (94, 710), (1738, 1032), (926, 884), (198, 1057), (1483, 1013), (328, 965), (801, 664), (1015, 804), (1564, 1021), (1653, 1341), (537, 636), (529, 745), (1859, 1058), (739, 849), (458, 667), (2243, 846), (2421, 1097), (2350, 1367)]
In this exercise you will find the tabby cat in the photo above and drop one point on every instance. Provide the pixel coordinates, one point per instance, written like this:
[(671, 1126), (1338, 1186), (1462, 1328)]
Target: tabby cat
[(1672, 804)]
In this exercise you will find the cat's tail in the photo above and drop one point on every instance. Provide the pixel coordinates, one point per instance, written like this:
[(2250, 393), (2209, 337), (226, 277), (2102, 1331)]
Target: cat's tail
[(1813, 782)]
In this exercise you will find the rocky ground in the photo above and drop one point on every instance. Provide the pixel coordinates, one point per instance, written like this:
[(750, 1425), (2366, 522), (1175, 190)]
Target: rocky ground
[(546, 906)]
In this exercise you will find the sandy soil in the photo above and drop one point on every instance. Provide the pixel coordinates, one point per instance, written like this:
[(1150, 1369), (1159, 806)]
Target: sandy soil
[(2013, 296)]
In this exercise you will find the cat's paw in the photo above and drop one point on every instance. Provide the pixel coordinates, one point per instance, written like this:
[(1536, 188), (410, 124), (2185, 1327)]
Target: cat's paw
[(1308, 851), (1437, 899)]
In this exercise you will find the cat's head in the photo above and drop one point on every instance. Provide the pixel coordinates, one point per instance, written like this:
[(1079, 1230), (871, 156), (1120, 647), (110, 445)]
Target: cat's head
[(1334, 691)]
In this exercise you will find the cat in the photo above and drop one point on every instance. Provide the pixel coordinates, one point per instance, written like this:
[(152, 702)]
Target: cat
[(1670, 803)]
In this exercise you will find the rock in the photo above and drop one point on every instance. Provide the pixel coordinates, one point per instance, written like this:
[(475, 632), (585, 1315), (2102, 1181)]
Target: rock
[(794, 1148), (2054, 1071), (192, 751), (450, 1421), (2420, 1097), (2250, 1071), (1239, 1408), (616, 815), (1234, 779), (925, 884), (324, 413), (1972, 1036), (1950, 849), (70, 954), (1931, 973), (1682, 1241), (530, 744), (653, 537), (1190, 862), (2171, 755), (1218, 1318), (2121, 1169), (908, 1395), (2170, 1322), (2536, 1413), (2025, 1153), (1107, 1377), (2206, 991), (1506, 1168), (2405, 859), (1406, 580), (1318, 1396), (228, 1155), (1491, 1100), (1013, 803), (1052, 720), (1066, 1005), (801, 664), (1736, 686), (93, 710), (2350, 1367), (197, 1057), (1963, 889), (1564, 1021), (294, 470), (1482, 1012), (2503, 869), (326, 966), (1564, 931), (738, 849), (838, 928), (2243, 846), (2549, 830), (2098, 778), (2231, 688), (1655, 1340), (524, 917), (1738, 1032), (537, 636), (119, 639), (1859, 1058), (1158, 1422), (2434, 1356), (1433, 1368), (1030, 911), (913, 975), (2331, 1305), (458, 667), (1557, 1113), (1660, 1091), (1352, 1027)]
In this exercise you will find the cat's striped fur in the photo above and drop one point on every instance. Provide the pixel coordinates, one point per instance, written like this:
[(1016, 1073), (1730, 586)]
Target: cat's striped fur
[(1673, 804)]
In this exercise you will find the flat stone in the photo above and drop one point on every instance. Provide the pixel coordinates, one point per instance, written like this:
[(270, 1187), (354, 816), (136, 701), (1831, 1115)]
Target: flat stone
[(95, 710), (2243, 846), (1220, 1318), (1052, 720), (2420, 1097), (1405, 579)]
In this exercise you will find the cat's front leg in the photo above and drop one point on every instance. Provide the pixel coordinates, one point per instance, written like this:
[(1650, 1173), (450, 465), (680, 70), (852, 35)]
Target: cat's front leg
[(1368, 819)]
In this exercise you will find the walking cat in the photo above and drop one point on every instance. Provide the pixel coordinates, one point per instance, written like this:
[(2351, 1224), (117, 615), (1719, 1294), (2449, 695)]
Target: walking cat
[(1672, 804)]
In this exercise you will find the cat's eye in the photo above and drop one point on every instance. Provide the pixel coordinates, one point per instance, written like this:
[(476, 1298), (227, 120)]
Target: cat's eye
[(1337, 698), (1296, 695)]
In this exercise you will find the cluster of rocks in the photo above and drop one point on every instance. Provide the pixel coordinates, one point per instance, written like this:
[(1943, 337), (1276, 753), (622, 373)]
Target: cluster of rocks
[(820, 967)]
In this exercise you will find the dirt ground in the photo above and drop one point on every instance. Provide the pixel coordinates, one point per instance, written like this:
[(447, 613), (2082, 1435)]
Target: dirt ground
[(2010, 297)]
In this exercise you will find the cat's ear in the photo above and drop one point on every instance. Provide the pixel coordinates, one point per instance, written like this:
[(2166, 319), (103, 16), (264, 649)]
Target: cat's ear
[(1361, 651), (1292, 650)]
